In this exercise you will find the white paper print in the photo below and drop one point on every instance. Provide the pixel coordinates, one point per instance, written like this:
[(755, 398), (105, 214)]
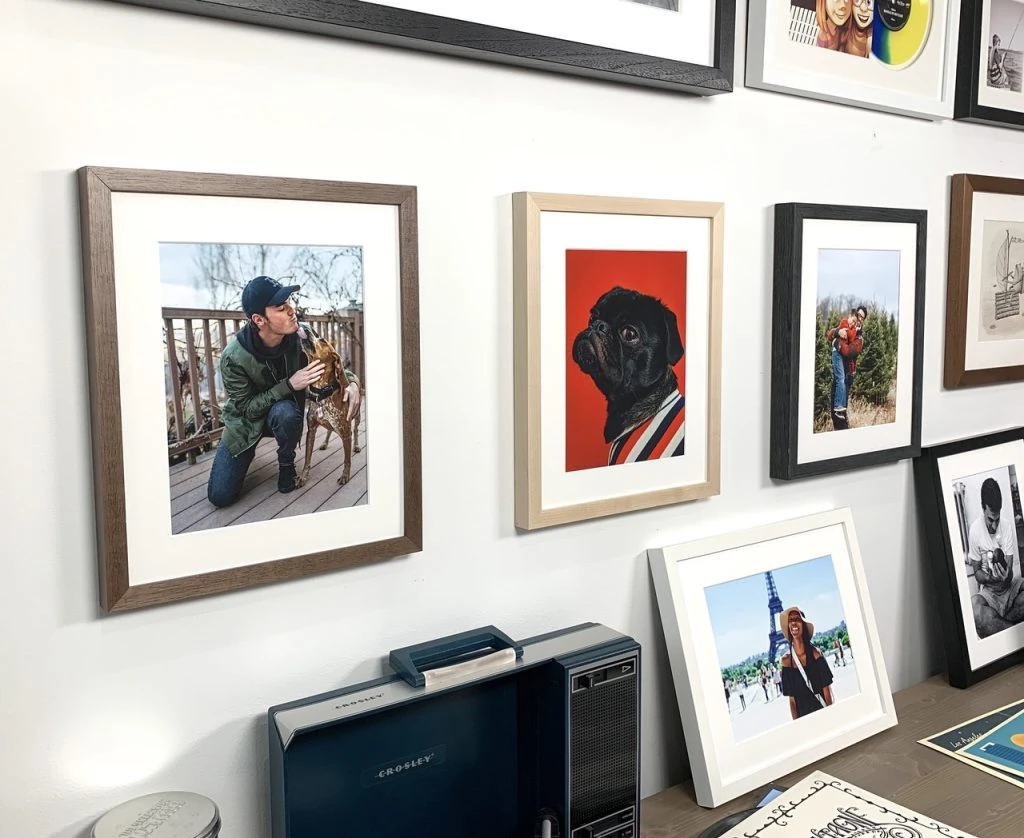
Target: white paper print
[(822, 806)]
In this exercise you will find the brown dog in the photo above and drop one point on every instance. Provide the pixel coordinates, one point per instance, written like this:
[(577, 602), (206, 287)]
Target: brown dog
[(332, 402)]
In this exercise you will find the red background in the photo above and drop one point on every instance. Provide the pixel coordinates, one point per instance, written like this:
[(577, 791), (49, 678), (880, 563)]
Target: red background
[(588, 275)]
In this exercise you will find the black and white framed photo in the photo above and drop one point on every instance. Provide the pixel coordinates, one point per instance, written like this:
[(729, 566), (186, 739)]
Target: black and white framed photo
[(969, 496), (990, 63), (682, 46), (760, 698), (847, 335)]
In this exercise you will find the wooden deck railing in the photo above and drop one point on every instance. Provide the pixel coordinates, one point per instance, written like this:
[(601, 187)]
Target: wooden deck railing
[(194, 338)]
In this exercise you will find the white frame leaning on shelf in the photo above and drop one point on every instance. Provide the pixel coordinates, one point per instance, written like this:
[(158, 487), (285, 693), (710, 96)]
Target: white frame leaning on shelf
[(923, 86), (547, 227), (724, 768)]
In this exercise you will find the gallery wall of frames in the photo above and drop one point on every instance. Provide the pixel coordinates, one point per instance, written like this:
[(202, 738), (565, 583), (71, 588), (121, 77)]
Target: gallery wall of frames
[(703, 324)]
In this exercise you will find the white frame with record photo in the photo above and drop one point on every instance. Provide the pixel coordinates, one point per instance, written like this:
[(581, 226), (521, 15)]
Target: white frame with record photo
[(724, 768), (923, 87)]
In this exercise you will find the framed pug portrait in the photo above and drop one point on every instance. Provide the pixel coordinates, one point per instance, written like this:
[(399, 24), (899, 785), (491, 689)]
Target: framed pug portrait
[(847, 337), (617, 354), (968, 493)]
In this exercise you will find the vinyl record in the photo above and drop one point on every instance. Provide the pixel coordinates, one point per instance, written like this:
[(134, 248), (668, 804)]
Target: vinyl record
[(900, 31)]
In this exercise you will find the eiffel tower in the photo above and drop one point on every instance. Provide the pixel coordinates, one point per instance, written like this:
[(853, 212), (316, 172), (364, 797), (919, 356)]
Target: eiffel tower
[(775, 637)]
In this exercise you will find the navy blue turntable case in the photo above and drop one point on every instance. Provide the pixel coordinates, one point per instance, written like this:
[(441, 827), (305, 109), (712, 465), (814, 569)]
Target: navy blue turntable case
[(473, 736)]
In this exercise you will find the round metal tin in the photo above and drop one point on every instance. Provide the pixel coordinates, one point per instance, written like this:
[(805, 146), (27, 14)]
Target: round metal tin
[(173, 814)]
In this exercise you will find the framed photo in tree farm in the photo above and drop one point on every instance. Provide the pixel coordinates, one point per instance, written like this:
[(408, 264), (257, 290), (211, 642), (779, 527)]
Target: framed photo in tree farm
[(680, 45), (968, 493), (887, 55), (233, 323), (761, 698), (985, 281), (617, 354), (990, 63), (847, 337)]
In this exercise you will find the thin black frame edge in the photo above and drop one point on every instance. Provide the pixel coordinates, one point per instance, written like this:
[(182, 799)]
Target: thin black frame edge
[(791, 469), (968, 75), (394, 27), (940, 557), (786, 263)]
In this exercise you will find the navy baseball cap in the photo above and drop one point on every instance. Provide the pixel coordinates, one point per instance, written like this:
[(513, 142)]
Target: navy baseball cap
[(264, 291)]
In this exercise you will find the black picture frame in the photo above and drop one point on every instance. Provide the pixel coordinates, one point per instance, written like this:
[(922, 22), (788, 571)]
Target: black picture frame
[(968, 73), (784, 463), (362, 21), (942, 561)]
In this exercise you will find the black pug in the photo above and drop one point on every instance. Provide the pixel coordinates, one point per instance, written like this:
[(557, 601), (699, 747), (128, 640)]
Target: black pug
[(628, 349)]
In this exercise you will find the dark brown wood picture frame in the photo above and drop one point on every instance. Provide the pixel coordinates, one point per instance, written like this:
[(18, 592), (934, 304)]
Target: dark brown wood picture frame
[(96, 186), (958, 268), (395, 26)]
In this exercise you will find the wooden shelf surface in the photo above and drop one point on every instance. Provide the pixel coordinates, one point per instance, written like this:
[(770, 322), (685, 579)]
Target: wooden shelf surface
[(894, 765)]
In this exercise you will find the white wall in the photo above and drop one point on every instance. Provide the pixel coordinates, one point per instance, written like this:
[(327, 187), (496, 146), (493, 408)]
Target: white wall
[(94, 710)]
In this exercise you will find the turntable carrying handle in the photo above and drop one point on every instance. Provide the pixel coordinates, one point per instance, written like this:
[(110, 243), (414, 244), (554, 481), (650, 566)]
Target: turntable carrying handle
[(411, 661)]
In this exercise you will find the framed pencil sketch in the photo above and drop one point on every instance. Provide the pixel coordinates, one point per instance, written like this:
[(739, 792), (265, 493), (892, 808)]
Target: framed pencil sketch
[(984, 281), (968, 493), (232, 323), (888, 55), (990, 62), (682, 46), (618, 314), (759, 699), (847, 337)]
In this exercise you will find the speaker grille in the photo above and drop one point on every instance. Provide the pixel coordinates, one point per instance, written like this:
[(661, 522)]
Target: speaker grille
[(603, 749)]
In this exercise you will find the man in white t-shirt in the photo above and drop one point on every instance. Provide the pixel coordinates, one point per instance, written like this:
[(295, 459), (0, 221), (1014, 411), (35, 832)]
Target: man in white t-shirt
[(992, 552)]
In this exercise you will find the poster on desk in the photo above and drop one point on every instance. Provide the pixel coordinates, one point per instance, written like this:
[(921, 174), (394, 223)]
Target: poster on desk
[(822, 805), (953, 740), (1001, 748)]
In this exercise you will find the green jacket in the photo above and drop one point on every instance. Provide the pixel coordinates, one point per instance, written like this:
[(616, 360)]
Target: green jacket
[(252, 386)]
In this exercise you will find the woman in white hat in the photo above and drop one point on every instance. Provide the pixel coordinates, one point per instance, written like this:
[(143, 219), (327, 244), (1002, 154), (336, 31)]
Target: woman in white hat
[(806, 677)]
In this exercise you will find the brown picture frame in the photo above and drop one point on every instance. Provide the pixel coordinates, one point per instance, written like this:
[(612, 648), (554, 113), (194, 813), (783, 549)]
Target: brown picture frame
[(97, 185), (531, 509), (963, 188)]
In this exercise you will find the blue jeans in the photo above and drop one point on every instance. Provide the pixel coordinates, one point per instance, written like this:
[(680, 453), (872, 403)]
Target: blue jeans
[(840, 394), (283, 422)]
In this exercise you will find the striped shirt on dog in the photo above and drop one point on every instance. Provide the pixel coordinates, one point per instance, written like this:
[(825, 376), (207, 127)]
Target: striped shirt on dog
[(663, 435)]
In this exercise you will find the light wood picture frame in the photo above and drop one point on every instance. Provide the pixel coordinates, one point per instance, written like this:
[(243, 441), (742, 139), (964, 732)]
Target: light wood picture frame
[(641, 278), (144, 236), (748, 713)]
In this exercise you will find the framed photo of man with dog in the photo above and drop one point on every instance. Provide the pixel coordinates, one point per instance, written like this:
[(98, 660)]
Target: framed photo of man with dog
[(618, 354), (847, 337), (242, 331), (968, 493)]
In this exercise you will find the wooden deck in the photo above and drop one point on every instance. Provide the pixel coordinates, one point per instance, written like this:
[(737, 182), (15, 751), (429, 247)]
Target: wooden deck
[(260, 500)]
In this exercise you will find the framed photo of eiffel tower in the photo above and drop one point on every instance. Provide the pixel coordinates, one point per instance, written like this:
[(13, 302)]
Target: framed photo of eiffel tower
[(774, 651)]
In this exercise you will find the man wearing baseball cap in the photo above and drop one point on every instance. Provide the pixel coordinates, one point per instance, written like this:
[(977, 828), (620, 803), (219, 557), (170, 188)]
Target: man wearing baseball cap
[(265, 374)]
